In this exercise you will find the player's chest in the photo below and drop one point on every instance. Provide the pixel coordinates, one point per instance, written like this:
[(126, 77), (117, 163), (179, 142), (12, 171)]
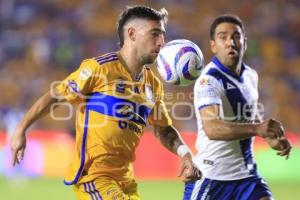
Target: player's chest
[(245, 89), (122, 87)]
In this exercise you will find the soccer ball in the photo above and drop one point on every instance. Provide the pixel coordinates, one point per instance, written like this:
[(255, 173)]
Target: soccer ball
[(180, 62)]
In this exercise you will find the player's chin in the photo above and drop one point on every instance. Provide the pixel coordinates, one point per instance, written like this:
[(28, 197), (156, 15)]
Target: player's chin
[(151, 58), (231, 61)]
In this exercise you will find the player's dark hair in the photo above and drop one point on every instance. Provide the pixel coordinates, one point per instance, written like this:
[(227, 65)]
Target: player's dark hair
[(141, 12), (225, 18)]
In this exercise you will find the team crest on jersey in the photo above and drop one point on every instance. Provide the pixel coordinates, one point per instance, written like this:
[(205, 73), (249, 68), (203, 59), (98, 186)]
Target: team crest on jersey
[(85, 73), (149, 92)]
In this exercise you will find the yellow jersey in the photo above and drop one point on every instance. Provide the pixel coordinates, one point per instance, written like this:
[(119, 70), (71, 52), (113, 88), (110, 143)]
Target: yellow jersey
[(112, 111)]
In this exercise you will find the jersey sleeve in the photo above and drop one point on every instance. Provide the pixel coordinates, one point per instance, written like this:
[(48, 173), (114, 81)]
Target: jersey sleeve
[(81, 82), (207, 91), (159, 115)]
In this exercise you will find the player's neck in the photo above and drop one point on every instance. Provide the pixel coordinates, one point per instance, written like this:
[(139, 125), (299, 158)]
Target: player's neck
[(236, 69), (130, 62)]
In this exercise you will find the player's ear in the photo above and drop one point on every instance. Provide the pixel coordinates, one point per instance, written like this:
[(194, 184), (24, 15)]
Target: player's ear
[(131, 33), (245, 43), (213, 46)]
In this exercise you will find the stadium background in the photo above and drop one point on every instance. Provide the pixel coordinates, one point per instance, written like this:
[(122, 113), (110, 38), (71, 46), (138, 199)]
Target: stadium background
[(43, 41)]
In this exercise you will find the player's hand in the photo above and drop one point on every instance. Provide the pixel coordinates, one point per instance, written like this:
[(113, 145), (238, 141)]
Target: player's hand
[(281, 145), (188, 169), (18, 145), (271, 128)]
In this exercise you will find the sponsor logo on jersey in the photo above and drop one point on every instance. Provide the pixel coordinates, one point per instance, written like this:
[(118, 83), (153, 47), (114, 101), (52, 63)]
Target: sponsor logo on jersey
[(204, 81), (128, 111), (208, 162), (229, 86), (129, 126), (120, 86)]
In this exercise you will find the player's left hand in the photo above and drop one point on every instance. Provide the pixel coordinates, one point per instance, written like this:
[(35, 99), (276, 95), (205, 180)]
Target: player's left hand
[(188, 169)]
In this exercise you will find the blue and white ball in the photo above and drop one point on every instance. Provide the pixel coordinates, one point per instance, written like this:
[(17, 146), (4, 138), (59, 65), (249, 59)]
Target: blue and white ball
[(180, 62)]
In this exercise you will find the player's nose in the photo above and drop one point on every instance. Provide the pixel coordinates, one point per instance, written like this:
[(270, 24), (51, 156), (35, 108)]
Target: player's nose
[(161, 41)]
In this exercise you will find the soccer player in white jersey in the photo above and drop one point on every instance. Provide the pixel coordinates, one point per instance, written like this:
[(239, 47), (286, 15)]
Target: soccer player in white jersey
[(226, 99)]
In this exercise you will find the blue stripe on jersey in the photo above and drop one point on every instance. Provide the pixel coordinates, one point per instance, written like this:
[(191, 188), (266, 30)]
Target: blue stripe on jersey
[(228, 71), (196, 190), (234, 95), (238, 104), (83, 147), (188, 190), (105, 56), (108, 60), (96, 191), (246, 147), (118, 107), (87, 189)]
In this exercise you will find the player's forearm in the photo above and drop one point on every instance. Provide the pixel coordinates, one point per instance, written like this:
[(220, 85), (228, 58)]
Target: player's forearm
[(39, 109), (222, 130), (169, 137)]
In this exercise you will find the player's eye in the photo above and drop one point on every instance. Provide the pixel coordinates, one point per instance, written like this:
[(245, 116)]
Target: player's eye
[(236, 37), (155, 33), (222, 36)]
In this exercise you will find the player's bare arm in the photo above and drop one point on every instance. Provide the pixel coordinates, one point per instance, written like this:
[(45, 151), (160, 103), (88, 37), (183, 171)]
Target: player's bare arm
[(39, 109), (171, 139), (217, 129)]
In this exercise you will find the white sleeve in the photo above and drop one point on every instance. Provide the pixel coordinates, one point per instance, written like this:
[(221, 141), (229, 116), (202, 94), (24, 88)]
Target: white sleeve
[(208, 91)]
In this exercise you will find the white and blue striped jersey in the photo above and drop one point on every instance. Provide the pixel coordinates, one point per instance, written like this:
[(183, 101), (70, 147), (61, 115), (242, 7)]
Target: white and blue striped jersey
[(237, 98)]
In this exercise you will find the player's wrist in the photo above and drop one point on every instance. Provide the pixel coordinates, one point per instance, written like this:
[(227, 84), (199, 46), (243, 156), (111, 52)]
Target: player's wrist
[(183, 150)]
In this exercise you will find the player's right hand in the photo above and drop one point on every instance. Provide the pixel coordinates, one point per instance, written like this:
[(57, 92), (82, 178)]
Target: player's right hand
[(281, 145), (18, 145), (188, 170), (271, 128)]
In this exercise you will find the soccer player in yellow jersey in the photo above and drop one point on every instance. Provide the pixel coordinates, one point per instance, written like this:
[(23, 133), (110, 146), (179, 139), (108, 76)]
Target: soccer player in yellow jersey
[(116, 95)]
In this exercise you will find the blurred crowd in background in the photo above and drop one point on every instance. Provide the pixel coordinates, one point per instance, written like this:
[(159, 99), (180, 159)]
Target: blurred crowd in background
[(43, 41)]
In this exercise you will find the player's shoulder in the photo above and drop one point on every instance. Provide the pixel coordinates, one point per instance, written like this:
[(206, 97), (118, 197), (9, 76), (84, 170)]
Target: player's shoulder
[(210, 71), (209, 77), (106, 59), (100, 63), (250, 71)]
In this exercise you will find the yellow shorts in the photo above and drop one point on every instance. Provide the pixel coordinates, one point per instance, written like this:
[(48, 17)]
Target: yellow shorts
[(106, 188)]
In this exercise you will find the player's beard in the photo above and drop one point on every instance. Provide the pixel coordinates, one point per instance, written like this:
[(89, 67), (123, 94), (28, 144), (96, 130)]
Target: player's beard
[(148, 59), (231, 62)]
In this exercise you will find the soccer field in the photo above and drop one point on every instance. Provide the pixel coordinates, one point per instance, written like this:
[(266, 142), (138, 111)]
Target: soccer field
[(53, 189)]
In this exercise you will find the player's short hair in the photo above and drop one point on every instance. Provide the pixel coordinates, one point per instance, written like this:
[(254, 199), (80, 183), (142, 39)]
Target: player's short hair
[(225, 18), (141, 12)]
